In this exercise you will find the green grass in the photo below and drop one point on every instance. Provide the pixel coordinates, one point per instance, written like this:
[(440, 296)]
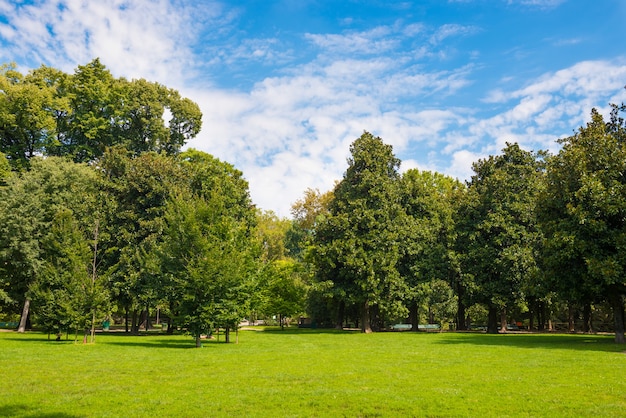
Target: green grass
[(297, 373)]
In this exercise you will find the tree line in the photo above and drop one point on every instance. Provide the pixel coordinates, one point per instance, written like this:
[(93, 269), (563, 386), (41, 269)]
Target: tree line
[(529, 232), (102, 214)]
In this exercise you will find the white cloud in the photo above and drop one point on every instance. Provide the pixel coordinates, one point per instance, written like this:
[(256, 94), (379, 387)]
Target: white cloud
[(140, 39)]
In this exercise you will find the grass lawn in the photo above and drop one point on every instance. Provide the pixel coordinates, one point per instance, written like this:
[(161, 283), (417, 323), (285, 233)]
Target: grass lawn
[(304, 373)]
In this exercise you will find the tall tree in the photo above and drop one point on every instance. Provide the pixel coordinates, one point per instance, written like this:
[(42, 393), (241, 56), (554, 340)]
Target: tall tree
[(26, 124), (356, 246), (29, 205), (584, 215), (499, 232), (52, 113), (427, 247), (209, 254), (139, 188)]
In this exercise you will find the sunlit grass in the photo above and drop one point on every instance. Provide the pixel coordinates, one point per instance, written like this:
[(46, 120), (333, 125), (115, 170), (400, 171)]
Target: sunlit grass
[(314, 373)]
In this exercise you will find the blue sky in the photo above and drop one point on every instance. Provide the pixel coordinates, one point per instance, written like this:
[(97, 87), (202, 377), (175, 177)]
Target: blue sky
[(286, 86)]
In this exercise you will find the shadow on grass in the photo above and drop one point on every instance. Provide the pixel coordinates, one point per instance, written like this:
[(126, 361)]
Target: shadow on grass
[(118, 339), (581, 342), (296, 330), (21, 410)]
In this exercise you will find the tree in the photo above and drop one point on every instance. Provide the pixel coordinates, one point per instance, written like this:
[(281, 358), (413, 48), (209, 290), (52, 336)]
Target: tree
[(285, 289), (427, 247), (307, 213), (30, 204), (49, 112), (499, 233), (139, 188), (209, 255), (583, 215), (26, 124), (356, 246), (66, 295)]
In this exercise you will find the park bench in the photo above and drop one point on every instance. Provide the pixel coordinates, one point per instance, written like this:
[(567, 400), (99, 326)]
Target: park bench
[(8, 324), (429, 327), (421, 327), (402, 327)]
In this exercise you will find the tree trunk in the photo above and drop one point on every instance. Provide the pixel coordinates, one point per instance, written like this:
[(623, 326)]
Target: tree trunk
[(227, 334), (503, 321), (135, 325), (170, 326), (587, 324), (24, 317), (492, 320), (147, 317), (365, 318), (617, 303), (198, 341), (461, 324), (341, 310), (413, 316), (570, 318), (126, 317), (541, 317), (93, 325)]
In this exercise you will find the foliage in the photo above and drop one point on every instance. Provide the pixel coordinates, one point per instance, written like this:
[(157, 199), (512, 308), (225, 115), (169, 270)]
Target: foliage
[(41, 211), (427, 247), (356, 246), (584, 212), (207, 252), (500, 236), (82, 114)]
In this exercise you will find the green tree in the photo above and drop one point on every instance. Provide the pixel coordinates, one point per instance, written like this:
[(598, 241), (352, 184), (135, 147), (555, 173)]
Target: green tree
[(139, 189), (208, 253), (583, 215), (82, 114), (29, 205), (26, 124), (429, 233), (285, 289), (499, 233), (66, 295), (356, 247)]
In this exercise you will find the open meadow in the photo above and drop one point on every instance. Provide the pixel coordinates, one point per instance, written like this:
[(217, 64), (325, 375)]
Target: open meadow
[(306, 373)]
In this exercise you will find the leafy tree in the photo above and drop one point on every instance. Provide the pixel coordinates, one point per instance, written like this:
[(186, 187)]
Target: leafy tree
[(583, 215), (5, 169), (139, 188), (500, 236), (208, 253), (26, 124), (356, 246), (427, 246), (285, 289), (307, 213), (65, 294), (29, 205), (52, 113)]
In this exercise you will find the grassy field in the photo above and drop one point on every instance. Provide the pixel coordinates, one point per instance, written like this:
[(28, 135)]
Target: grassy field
[(298, 373)]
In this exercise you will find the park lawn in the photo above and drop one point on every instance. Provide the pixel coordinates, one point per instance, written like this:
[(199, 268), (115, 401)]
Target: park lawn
[(306, 373)]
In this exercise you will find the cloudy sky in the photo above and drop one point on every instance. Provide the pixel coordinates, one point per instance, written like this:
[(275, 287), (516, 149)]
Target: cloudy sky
[(285, 86)]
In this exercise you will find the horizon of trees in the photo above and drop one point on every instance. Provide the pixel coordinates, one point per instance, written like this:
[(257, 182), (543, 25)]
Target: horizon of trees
[(102, 214)]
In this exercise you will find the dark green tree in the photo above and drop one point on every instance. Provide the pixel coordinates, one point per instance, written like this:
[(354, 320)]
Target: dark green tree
[(356, 247), (428, 244), (583, 214), (29, 205), (499, 233)]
